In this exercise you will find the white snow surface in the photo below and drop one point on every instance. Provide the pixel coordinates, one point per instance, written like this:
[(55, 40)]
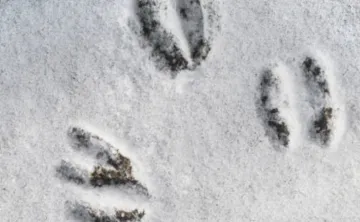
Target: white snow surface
[(196, 140)]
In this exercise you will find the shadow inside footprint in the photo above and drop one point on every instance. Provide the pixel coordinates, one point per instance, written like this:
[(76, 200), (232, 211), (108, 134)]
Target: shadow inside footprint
[(192, 20)]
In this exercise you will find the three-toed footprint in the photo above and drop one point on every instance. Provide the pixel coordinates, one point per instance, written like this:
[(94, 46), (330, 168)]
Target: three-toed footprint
[(277, 98), (110, 169), (173, 49)]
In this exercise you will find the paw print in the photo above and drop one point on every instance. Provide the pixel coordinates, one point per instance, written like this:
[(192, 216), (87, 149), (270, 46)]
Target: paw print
[(112, 169), (281, 116), (199, 22)]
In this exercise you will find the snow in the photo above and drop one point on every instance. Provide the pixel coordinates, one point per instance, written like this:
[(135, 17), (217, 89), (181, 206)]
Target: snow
[(196, 140)]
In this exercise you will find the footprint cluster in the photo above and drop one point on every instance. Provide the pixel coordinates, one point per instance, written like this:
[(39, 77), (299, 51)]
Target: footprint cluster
[(112, 169), (198, 21), (275, 105), (166, 51), (278, 112)]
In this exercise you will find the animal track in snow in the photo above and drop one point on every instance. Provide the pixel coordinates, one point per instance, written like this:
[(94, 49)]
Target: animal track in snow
[(198, 25), (276, 106), (192, 19), (325, 127), (281, 119), (111, 169)]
